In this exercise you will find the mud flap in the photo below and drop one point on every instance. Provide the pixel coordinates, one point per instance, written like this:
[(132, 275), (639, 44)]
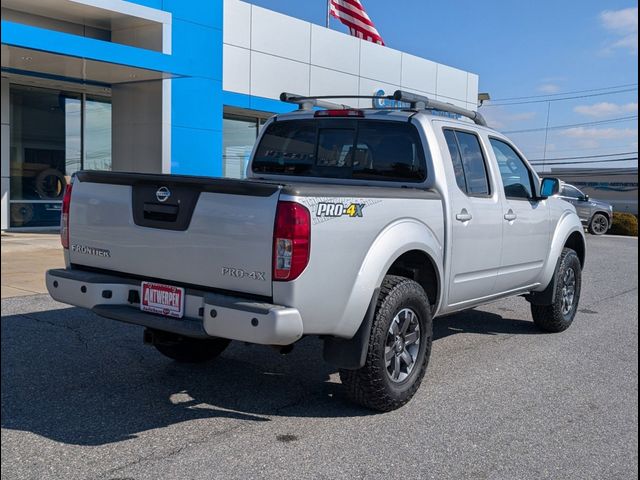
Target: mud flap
[(350, 354)]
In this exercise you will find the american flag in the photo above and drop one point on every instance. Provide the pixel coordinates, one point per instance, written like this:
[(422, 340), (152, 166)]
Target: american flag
[(352, 14)]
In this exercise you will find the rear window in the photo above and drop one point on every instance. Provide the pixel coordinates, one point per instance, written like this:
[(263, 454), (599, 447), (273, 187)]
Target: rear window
[(337, 148)]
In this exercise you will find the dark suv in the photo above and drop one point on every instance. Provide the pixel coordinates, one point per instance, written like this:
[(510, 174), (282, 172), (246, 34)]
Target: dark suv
[(594, 214)]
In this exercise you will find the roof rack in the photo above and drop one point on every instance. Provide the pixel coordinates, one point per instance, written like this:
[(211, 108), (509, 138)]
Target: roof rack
[(415, 101)]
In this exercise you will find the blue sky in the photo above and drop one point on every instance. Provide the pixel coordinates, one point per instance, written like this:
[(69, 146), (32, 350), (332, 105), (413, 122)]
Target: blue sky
[(524, 49)]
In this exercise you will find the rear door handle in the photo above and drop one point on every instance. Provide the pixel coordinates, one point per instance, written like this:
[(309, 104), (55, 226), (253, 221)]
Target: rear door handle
[(510, 216), (464, 216)]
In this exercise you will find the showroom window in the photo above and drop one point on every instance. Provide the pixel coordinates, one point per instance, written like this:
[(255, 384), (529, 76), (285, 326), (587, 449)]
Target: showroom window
[(239, 136), (54, 133)]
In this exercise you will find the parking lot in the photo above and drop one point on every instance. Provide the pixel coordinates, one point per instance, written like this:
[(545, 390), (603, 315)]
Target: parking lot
[(82, 397)]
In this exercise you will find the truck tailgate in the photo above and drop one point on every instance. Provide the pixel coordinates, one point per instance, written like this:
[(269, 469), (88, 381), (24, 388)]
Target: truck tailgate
[(215, 233)]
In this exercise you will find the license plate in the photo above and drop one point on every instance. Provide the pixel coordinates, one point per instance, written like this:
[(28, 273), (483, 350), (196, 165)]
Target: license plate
[(162, 299)]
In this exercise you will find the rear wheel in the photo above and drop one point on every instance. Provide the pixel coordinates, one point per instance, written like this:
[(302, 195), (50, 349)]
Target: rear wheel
[(558, 316), (399, 348), (599, 224), (188, 350)]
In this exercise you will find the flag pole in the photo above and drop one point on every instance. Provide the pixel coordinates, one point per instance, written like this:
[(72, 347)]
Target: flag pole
[(328, 13)]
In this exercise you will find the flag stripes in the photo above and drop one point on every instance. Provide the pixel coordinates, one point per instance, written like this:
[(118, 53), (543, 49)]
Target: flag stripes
[(352, 14)]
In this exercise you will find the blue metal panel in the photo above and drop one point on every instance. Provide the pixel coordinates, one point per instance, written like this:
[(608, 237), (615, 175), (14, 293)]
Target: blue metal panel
[(262, 104), (76, 46), (197, 103), (196, 152), (197, 49), (202, 12)]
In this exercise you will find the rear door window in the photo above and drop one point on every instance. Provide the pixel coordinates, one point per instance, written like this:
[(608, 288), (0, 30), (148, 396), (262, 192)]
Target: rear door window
[(468, 162), (336, 148)]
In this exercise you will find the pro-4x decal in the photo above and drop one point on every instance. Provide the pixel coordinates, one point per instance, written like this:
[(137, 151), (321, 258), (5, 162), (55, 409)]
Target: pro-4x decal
[(334, 210)]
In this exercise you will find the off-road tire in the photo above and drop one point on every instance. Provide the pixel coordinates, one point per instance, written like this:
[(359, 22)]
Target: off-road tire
[(599, 224), (550, 318), (191, 350), (371, 386)]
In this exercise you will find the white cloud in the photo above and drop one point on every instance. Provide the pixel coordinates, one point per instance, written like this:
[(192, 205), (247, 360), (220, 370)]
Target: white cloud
[(600, 133), (549, 88), (624, 25), (500, 119), (606, 109)]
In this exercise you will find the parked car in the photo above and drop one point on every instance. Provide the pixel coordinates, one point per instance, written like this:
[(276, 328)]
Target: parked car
[(596, 215), (358, 226)]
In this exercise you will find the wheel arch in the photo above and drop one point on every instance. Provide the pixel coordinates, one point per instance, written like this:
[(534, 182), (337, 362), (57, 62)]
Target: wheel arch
[(419, 266), (576, 242), (418, 256)]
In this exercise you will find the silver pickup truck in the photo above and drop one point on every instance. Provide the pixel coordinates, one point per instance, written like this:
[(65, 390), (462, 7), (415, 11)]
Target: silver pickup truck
[(358, 226)]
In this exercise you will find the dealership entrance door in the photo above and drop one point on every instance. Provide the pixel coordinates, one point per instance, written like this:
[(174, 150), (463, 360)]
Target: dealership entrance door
[(53, 134)]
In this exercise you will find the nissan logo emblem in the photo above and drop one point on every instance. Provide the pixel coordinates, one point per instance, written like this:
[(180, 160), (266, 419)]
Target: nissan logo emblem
[(163, 194)]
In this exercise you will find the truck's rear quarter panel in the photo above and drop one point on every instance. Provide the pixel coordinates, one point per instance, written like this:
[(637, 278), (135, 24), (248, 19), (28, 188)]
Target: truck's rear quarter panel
[(329, 292)]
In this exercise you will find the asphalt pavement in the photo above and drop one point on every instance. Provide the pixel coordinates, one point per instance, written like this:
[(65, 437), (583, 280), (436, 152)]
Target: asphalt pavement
[(83, 398)]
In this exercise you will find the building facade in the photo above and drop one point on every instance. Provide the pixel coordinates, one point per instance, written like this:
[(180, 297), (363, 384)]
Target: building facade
[(617, 186), (169, 86)]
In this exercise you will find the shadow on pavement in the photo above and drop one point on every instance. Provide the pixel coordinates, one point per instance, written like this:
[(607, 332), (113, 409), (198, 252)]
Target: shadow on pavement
[(76, 378)]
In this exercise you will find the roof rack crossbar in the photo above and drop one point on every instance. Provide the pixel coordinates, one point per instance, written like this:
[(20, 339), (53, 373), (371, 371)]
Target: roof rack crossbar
[(307, 103), (416, 102), (423, 102)]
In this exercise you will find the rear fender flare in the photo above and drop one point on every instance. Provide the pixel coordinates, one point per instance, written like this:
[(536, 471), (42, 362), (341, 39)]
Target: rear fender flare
[(397, 238)]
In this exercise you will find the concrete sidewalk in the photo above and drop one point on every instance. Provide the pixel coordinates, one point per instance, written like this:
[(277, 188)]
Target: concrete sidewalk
[(25, 258)]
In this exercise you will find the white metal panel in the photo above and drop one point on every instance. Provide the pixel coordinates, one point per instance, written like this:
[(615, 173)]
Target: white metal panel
[(237, 23), (236, 69), (280, 35), (380, 63), (334, 50), (452, 83), (4, 204), (330, 82), (453, 101), (472, 88), (370, 87), (419, 74), (270, 76)]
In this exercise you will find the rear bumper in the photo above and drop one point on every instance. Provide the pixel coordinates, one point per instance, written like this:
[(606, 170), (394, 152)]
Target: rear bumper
[(206, 314)]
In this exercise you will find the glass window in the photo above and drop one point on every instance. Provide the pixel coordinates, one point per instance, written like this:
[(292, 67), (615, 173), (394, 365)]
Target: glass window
[(516, 177), (454, 151), (45, 143), (97, 134), (388, 150), (239, 136), (356, 149), (572, 192), (287, 148), (468, 162), (46, 148)]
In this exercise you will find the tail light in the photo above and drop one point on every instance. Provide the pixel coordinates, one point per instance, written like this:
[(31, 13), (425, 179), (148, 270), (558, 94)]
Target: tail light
[(291, 241), (64, 218)]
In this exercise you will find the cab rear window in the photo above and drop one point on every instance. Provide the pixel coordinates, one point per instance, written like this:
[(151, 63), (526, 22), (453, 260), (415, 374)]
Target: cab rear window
[(337, 148)]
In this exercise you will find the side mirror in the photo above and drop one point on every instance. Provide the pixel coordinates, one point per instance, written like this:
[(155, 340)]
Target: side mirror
[(585, 198), (549, 187)]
